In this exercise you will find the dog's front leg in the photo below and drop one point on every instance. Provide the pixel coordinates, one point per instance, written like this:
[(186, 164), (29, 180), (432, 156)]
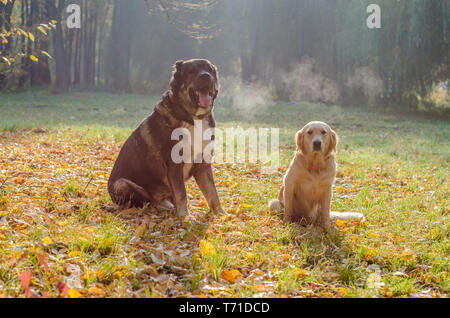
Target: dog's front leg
[(325, 210), (205, 180), (176, 180)]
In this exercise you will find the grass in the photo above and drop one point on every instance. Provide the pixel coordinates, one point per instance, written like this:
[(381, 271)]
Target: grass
[(56, 153)]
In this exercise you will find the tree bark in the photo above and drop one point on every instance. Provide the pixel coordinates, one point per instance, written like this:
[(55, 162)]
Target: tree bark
[(62, 79)]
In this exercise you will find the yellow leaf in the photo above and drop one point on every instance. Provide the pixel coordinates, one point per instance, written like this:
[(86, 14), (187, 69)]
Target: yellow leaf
[(74, 293), (6, 60), (259, 288), (368, 254), (232, 275), (101, 274), (46, 54), (299, 272), (31, 36), (206, 248), (341, 223), (42, 30), (74, 254), (342, 292), (408, 255), (96, 291), (118, 275), (34, 58), (250, 255), (140, 230), (47, 240), (127, 211)]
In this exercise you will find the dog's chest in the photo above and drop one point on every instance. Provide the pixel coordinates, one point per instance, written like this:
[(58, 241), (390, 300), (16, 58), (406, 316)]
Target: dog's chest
[(313, 185), (201, 145)]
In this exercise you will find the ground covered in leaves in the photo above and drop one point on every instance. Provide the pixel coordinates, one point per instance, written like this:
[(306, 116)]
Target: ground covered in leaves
[(60, 235)]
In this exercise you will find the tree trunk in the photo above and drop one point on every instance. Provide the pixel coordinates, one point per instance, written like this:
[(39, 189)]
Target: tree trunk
[(61, 68), (120, 47), (77, 59)]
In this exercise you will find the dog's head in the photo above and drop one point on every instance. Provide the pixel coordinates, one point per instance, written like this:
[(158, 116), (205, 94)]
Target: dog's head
[(195, 85), (317, 137)]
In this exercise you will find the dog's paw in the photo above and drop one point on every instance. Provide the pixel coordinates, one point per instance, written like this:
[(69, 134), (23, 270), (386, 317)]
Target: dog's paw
[(288, 219), (218, 210), (165, 205), (182, 213), (325, 226)]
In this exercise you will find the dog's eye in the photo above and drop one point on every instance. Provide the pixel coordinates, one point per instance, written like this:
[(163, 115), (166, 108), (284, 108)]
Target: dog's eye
[(324, 132), (310, 132)]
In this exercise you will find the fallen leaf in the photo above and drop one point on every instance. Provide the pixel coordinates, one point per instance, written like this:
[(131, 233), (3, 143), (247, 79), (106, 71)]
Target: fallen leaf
[(231, 275), (96, 291), (42, 262), (206, 248), (26, 279), (300, 272), (63, 289), (408, 255), (47, 240), (73, 293), (140, 230), (19, 180), (250, 255)]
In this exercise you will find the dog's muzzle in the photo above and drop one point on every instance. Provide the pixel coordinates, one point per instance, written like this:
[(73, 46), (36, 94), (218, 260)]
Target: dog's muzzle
[(203, 92)]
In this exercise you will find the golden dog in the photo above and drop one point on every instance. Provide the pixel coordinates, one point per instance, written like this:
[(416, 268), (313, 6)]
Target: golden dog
[(307, 186)]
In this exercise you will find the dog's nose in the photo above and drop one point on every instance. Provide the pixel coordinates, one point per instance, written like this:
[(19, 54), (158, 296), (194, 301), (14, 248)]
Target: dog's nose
[(317, 145)]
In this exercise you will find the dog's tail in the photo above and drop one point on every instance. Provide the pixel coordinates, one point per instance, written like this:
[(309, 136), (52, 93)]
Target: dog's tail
[(347, 216), (275, 205)]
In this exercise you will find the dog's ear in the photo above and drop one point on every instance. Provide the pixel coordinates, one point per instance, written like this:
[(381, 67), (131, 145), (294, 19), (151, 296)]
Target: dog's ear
[(216, 76), (177, 77), (216, 70), (299, 139), (334, 140)]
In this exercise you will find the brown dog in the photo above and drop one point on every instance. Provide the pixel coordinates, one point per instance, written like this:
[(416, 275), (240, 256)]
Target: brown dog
[(145, 171), (307, 186)]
